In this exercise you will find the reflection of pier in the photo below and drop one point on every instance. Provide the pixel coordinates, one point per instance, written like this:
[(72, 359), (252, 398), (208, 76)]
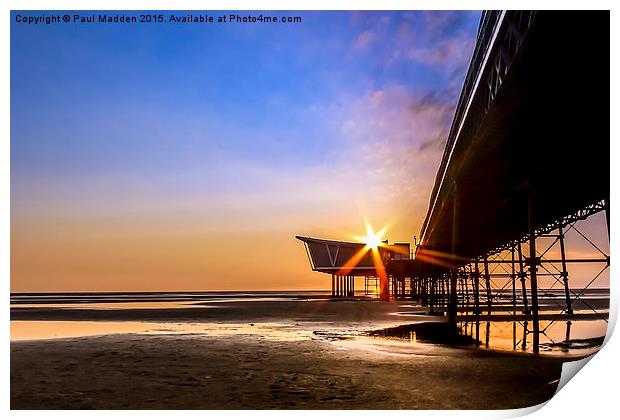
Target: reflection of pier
[(526, 162)]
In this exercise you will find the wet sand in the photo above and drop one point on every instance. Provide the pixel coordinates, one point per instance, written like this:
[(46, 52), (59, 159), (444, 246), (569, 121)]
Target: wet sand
[(309, 366)]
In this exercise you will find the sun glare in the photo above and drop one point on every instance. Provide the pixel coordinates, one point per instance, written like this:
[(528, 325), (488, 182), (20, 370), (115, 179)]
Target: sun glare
[(372, 239)]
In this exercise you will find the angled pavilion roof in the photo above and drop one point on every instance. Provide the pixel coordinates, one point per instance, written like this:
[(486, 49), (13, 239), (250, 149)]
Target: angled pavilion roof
[(341, 257)]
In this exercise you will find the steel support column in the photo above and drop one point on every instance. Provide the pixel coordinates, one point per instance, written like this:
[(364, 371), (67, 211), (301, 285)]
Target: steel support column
[(432, 295), (384, 286), (513, 278), (533, 269), (476, 279), (569, 308), (487, 284), (526, 309), (607, 214), (453, 301)]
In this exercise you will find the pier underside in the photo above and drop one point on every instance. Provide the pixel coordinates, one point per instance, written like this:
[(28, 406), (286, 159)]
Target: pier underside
[(526, 161)]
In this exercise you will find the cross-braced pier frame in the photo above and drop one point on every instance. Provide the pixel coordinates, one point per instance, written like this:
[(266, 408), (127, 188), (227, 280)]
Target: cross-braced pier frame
[(526, 281)]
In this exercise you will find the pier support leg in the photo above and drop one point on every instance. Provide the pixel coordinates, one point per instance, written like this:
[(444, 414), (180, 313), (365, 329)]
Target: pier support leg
[(453, 300), (432, 296), (487, 335), (466, 288), (513, 278), (337, 284), (533, 269), (443, 291), (339, 288), (476, 279), (487, 284), (569, 307), (526, 309), (333, 285), (352, 286), (452, 308), (607, 214), (384, 286)]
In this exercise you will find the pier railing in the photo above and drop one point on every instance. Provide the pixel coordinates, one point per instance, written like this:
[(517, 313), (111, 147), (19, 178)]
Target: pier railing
[(500, 35)]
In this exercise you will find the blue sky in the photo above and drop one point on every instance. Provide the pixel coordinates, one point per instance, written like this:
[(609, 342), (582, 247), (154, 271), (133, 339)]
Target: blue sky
[(239, 81), (179, 132)]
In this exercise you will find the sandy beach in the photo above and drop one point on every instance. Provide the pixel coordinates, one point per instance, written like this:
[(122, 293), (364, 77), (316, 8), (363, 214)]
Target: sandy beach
[(311, 354)]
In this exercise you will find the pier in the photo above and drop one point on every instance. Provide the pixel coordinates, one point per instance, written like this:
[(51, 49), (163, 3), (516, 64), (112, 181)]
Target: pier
[(526, 160)]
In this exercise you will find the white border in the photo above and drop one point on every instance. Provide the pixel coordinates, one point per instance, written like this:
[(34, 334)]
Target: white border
[(593, 394)]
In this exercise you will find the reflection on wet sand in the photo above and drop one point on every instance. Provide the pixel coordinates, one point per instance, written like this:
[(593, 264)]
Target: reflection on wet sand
[(281, 316), (577, 337), (108, 305), (42, 330)]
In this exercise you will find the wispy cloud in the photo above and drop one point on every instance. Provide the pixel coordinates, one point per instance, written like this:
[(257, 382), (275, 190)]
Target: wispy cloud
[(436, 39), (364, 39), (454, 51), (397, 129)]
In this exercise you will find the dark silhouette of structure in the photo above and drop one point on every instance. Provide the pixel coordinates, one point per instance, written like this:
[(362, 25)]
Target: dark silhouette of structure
[(527, 156)]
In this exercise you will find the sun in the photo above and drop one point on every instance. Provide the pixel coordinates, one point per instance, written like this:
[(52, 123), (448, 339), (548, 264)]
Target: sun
[(372, 239)]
